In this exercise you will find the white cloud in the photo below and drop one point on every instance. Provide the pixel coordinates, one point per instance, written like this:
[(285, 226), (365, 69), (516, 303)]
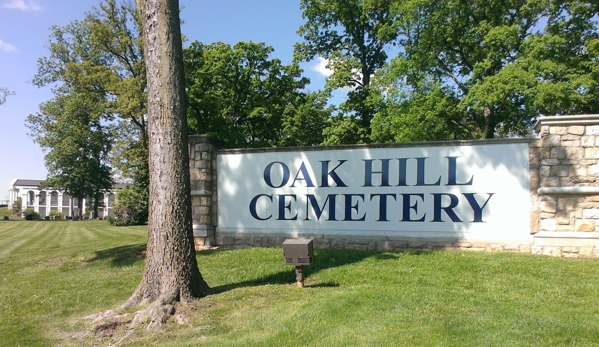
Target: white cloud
[(321, 67), (22, 5), (7, 47)]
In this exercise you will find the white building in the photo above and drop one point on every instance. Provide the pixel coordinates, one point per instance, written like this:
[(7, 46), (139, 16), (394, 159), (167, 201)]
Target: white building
[(44, 201)]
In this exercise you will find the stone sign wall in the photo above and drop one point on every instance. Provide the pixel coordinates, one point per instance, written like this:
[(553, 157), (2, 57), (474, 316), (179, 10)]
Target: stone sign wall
[(562, 198)]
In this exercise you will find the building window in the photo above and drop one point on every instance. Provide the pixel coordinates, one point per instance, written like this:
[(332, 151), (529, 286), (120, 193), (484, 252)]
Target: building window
[(54, 198), (111, 199), (30, 198), (65, 199)]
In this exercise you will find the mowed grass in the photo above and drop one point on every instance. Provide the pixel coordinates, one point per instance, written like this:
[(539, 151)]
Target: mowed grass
[(53, 273)]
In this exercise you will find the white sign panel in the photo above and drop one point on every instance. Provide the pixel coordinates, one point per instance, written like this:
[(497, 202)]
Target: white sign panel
[(463, 191)]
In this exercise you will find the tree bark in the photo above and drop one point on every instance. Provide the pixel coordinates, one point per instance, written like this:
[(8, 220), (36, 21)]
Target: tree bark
[(171, 272)]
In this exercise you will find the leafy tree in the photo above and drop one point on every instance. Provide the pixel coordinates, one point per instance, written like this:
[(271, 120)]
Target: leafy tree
[(247, 99), (353, 36), (103, 55), (493, 65), (171, 273), (560, 64), (427, 113), (304, 120), (70, 129)]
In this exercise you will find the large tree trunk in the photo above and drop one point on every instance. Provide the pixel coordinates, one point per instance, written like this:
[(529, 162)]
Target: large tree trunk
[(171, 273)]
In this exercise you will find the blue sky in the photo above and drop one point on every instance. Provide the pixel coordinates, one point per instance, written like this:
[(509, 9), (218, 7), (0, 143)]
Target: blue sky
[(24, 32)]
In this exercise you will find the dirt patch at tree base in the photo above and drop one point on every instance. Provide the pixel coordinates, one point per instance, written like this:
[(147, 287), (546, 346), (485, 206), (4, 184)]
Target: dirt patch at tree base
[(116, 327)]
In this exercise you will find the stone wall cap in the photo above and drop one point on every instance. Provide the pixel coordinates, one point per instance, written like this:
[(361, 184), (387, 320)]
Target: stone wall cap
[(568, 191), (201, 193), (581, 119), (566, 235), (476, 142)]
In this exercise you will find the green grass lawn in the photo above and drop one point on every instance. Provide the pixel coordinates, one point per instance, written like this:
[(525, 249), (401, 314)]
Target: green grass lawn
[(53, 273)]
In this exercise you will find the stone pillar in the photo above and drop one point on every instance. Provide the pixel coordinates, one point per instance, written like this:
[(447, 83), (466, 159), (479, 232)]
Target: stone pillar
[(204, 198), (569, 192)]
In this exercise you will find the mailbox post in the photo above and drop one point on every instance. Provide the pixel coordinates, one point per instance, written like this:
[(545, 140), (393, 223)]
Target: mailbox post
[(298, 252)]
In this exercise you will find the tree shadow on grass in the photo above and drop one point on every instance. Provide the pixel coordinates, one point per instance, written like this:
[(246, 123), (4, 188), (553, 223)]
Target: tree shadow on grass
[(323, 259), (121, 256)]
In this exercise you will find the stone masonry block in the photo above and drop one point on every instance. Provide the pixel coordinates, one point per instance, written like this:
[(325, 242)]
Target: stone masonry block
[(574, 153), (571, 138), (558, 153), (548, 224), (576, 129), (591, 153), (571, 142), (550, 182), (549, 161), (562, 218), (552, 141), (558, 130), (581, 171), (587, 141), (560, 170), (593, 170), (592, 130), (592, 213), (549, 206), (584, 225), (544, 171)]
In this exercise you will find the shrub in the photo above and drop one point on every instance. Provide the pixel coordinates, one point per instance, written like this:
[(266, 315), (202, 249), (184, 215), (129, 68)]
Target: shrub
[(30, 214), (17, 206), (131, 207), (56, 215), (5, 218)]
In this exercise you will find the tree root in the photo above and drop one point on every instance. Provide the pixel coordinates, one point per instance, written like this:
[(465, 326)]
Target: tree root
[(155, 315), (117, 327)]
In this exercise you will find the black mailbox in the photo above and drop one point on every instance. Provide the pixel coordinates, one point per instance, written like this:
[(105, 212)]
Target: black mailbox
[(298, 252)]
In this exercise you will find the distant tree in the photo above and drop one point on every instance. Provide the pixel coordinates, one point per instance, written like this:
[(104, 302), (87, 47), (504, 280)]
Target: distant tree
[(102, 54), (171, 273), (17, 206), (353, 35), (70, 130), (245, 98)]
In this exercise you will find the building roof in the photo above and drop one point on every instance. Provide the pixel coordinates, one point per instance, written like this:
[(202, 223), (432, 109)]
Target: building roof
[(37, 183), (27, 183)]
